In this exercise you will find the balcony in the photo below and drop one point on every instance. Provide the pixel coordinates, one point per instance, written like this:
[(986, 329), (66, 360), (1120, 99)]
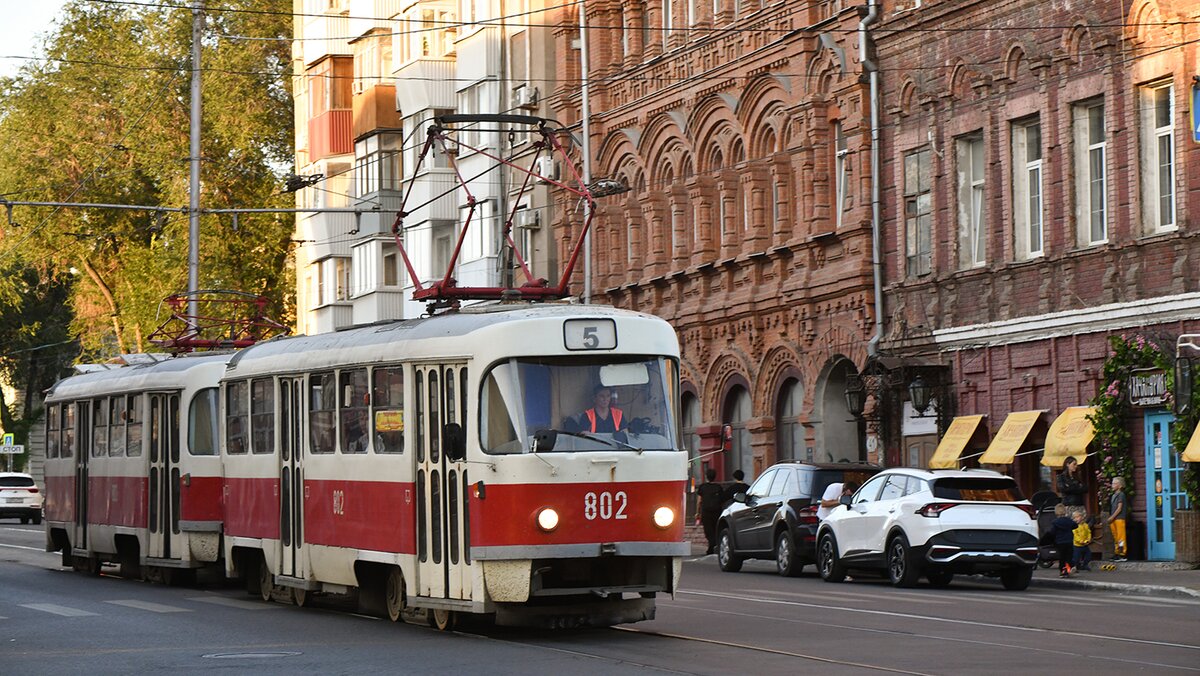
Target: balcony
[(426, 83), (375, 108), (318, 33), (330, 133)]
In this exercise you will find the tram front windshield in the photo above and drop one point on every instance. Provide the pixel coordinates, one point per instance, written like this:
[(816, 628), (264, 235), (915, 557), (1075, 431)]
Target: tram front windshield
[(571, 404)]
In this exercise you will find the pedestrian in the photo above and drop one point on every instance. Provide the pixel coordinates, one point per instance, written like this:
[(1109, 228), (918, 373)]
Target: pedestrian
[(711, 496), (832, 497), (1082, 539), (1063, 528), (739, 485), (1116, 518), (1070, 487)]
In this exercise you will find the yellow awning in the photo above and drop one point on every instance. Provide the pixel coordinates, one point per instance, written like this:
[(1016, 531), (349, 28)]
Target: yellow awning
[(1011, 435), (958, 435), (1069, 436), (1192, 452)]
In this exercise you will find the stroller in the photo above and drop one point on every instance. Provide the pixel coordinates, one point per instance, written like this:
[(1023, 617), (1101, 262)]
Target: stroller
[(1044, 503)]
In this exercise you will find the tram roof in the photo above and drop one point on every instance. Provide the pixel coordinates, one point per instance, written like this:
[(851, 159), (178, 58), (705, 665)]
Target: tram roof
[(355, 345), (169, 373)]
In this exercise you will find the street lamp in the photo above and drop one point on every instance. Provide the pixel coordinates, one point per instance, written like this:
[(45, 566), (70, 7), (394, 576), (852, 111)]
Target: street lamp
[(856, 395), (918, 393)]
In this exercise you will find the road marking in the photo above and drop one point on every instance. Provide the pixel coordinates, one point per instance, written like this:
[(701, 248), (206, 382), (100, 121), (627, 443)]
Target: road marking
[(31, 549), (945, 620), (146, 605), (234, 603), (57, 610), (1148, 603)]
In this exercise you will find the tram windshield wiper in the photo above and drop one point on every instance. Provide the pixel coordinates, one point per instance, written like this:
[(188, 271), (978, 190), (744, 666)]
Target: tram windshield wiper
[(545, 439)]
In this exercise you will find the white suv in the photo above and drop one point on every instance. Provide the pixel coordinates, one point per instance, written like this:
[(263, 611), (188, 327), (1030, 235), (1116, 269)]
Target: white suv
[(910, 522), (19, 496)]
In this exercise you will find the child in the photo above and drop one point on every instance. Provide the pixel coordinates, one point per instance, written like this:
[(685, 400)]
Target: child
[(1063, 528), (1082, 539)]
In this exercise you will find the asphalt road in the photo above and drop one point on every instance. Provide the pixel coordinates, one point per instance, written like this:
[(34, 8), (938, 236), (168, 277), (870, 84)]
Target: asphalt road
[(56, 621)]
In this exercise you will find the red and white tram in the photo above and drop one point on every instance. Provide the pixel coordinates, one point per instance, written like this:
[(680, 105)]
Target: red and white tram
[(442, 466), (133, 470)]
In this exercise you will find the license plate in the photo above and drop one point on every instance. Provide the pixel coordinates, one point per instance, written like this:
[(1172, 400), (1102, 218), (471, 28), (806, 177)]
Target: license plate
[(13, 501)]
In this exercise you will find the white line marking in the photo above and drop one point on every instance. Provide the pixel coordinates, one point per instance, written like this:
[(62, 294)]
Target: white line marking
[(146, 605), (929, 618), (31, 549), (855, 595), (57, 610), (234, 603)]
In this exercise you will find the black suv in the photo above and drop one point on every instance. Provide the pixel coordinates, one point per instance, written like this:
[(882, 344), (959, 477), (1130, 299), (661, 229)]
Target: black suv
[(777, 517)]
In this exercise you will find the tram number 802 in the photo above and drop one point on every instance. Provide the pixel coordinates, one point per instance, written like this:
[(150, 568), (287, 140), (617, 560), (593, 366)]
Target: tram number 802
[(605, 505)]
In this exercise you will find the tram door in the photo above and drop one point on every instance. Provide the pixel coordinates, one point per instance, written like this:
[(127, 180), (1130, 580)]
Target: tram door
[(165, 540), (82, 430), (291, 477), (443, 531)]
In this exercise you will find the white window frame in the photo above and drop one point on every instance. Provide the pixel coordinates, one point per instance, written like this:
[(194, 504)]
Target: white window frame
[(1091, 172), (972, 200), (841, 172), (1158, 168), (1027, 193), (668, 20), (918, 213)]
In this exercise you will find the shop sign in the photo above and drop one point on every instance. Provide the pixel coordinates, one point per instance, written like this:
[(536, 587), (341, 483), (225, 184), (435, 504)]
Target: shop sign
[(1147, 387)]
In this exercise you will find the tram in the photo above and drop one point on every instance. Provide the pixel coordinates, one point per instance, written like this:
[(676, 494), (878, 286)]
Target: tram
[(439, 468), (133, 471)]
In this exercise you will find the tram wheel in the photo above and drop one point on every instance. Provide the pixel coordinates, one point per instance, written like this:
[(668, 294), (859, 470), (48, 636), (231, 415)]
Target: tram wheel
[(442, 620), (266, 583), (393, 595), (300, 597)]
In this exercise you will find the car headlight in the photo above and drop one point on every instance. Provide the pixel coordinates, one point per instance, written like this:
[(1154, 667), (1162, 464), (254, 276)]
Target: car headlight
[(547, 519), (664, 517)]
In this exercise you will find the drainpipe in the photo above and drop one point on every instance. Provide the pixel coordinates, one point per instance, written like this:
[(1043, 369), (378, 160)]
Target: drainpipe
[(872, 69)]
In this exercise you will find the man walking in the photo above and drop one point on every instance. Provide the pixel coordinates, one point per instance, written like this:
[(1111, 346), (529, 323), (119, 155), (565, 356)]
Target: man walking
[(710, 494)]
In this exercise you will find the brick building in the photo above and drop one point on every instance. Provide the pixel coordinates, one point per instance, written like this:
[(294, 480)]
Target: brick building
[(740, 128)]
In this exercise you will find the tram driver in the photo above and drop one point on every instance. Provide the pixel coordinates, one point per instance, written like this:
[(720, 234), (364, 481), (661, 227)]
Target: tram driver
[(602, 417)]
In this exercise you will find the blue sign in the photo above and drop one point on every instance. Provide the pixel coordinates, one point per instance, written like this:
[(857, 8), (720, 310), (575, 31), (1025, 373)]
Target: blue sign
[(1196, 113)]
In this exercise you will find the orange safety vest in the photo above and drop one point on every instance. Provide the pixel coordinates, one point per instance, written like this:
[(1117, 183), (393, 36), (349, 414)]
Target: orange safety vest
[(614, 411)]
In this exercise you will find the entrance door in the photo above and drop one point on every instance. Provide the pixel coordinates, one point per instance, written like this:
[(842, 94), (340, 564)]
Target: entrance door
[(1164, 494), (83, 451), (291, 477), (165, 541), (443, 533)]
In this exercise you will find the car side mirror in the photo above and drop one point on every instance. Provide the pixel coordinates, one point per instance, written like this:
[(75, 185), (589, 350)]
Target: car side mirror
[(455, 441), (739, 497), (845, 500)]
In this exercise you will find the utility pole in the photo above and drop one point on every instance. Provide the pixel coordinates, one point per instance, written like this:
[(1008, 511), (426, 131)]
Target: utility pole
[(585, 112), (194, 152)]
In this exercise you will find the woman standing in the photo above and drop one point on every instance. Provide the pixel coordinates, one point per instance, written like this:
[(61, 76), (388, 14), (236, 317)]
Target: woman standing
[(1070, 487)]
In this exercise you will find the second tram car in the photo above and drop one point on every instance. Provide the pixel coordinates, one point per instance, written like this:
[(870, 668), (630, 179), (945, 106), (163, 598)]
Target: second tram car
[(444, 466)]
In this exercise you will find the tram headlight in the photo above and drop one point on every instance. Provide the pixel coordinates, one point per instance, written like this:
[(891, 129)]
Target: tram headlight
[(547, 519), (664, 517)]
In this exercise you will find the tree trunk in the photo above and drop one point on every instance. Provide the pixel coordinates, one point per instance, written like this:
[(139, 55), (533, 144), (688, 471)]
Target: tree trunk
[(112, 302)]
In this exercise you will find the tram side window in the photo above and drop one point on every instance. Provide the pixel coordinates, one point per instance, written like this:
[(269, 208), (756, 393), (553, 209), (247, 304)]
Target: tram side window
[(262, 415), (387, 404), (116, 426), (99, 427), (322, 408), (68, 431), (202, 423), (355, 409), (53, 442), (235, 418), (133, 428)]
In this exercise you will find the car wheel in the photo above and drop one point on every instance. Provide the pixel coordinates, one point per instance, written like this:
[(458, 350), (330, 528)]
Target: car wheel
[(902, 569), (24, 520), (939, 577), (37, 519), (828, 565), (1016, 579), (787, 559), (726, 559)]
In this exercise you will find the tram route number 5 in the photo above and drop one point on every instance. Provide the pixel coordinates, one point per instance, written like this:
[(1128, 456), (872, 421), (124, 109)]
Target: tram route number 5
[(605, 505), (590, 334)]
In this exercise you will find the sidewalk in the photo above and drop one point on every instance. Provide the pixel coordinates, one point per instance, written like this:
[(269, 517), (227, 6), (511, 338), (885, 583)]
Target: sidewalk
[(1151, 578)]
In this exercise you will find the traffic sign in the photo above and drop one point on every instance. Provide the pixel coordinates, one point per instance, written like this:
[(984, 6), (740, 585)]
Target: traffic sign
[(1196, 113), (12, 449), (8, 440)]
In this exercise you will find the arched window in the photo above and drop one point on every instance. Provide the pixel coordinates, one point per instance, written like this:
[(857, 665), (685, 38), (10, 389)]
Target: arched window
[(737, 413), (789, 442)]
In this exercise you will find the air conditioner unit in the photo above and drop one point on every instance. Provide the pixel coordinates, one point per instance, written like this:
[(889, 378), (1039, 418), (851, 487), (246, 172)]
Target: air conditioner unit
[(529, 219), (547, 169), (358, 86), (525, 97)]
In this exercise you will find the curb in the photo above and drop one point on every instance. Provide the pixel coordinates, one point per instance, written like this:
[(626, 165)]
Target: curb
[(1143, 589)]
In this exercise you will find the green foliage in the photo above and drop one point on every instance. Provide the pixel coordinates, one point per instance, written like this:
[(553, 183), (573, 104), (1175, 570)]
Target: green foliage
[(1112, 408), (1181, 434), (105, 120)]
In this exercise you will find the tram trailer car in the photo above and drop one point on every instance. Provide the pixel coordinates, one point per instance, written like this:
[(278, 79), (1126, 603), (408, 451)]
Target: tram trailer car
[(447, 466), (133, 472)]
